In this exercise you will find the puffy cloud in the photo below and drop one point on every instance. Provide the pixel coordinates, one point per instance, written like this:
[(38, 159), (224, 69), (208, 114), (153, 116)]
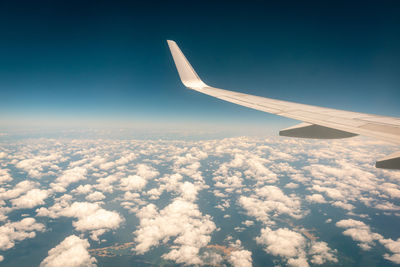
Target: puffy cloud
[(105, 184), (132, 182), (291, 185), (95, 219), (180, 219), (284, 243), (90, 216), (36, 165), (335, 172), (68, 177), (316, 198), (343, 205), (31, 199), (82, 189), (391, 189), (171, 182), (329, 192), (268, 201), (240, 258), (126, 158), (228, 182), (11, 232), (251, 165), (212, 258), (71, 252), (95, 196), (292, 246), (189, 191), (146, 171), (19, 189), (139, 180), (321, 253), (258, 171), (360, 232), (298, 262), (248, 223), (106, 165), (394, 247), (5, 176)]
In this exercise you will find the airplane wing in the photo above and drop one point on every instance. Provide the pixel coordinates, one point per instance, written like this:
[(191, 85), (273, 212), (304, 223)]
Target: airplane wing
[(318, 122)]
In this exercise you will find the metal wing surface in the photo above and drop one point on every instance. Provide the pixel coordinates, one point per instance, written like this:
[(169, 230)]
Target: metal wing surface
[(318, 122)]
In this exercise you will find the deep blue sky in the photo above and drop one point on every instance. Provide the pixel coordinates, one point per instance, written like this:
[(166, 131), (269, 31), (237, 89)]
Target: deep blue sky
[(108, 61)]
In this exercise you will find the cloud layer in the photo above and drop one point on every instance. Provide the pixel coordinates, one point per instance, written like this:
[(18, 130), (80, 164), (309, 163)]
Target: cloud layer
[(195, 197)]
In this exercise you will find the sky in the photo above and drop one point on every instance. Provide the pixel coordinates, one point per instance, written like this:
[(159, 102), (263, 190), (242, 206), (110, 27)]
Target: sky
[(107, 62)]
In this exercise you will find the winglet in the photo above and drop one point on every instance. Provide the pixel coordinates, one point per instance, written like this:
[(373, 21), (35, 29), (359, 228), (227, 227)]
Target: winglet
[(186, 72)]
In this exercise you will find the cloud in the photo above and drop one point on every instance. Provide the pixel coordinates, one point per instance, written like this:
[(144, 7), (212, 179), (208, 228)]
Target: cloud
[(228, 182), (146, 171), (282, 242), (189, 191), (334, 172), (106, 165), (105, 183), (343, 205), (394, 247), (291, 185), (126, 158), (31, 199), (316, 198), (18, 189), (329, 192), (95, 196), (359, 231), (11, 232), (298, 262), (71, 252), (5, 176), (180, 220), (132, 182), (139, 180), (321, 253), (268, 201), (39, 163), (248, 223), (292, 247), (82, 189), (391, 189), (68, 177), (240, 258), (212, 258), (90, 216)]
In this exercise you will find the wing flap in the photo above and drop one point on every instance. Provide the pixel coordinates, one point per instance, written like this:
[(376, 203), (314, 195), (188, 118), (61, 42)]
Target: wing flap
[(390, 162), (307, 130)]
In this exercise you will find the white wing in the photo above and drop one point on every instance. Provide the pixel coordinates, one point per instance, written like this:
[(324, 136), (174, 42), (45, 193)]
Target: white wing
[(319, 122)]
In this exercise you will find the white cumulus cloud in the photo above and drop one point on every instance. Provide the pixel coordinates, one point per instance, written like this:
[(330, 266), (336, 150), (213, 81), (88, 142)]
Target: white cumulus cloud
[(71, 252)]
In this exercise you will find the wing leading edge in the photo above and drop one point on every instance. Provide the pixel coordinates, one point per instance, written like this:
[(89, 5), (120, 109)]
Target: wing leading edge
[(318, 122)]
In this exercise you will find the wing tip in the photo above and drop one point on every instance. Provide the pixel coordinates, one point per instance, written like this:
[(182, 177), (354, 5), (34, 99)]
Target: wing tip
[(186, 72)]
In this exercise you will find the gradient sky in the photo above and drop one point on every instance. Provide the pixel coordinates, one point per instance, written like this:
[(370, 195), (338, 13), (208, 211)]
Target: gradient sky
[(71, 61)]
